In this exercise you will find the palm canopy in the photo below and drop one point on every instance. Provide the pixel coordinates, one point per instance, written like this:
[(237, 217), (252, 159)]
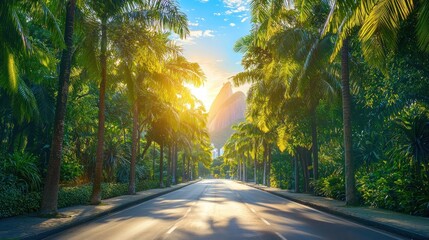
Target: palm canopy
[(17, 45)]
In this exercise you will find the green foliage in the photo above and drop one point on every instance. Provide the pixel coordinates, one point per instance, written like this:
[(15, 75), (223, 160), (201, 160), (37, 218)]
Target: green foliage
[(332, 186), (411, 138), (20, 171), (71, 170), (281, 170), (395, 188), (14, 202)]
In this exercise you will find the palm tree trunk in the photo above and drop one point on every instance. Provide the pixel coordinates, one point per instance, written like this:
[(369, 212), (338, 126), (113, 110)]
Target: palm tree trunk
[(50, 191), (183, 167), (244, 172), (169, 164), (174, 180), (188, 165), (254, 159), (192, 170), (296, 170), (264, 175), (314, 145), (96, 187), (349, 168), (239, 170), (161, 165), (269, 167), (134, 141), (153, 161)]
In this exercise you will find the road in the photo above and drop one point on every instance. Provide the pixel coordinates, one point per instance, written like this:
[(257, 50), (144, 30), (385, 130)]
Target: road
[(221, 209)]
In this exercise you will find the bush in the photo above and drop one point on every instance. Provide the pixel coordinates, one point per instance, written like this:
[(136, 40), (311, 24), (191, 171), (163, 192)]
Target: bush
[(332, 186), (146, 184), (15, 202), (394, 188), (109, 190), (70, 196), (19, 171), (71, 170)]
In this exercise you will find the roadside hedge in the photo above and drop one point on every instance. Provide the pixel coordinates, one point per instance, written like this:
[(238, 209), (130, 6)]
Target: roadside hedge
[(14, 202)]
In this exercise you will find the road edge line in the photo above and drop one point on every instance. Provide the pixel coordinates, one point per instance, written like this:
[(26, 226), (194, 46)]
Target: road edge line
[(118, 208), (370, 223)]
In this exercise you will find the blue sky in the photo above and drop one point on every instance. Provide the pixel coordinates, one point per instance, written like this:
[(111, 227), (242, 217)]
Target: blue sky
[(215, 26)]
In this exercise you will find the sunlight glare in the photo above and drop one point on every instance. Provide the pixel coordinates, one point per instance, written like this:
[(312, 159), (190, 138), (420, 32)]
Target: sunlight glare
[(200, 93)]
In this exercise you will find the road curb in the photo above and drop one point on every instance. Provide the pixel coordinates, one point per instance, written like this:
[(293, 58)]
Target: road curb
[(66, 226), (366, 222)]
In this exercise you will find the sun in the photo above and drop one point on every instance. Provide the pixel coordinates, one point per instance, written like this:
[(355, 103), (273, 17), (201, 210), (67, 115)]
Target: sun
[(202, 94)]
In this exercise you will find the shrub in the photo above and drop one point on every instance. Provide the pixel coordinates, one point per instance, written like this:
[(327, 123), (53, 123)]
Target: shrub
[(332, 186), (70, 196), (13, 202), (394, 188), (19, 171), (109, 190), (146, 184), (71, 169)]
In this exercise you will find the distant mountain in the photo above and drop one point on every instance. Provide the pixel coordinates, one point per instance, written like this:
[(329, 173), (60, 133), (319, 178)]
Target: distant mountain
[(226, 110)]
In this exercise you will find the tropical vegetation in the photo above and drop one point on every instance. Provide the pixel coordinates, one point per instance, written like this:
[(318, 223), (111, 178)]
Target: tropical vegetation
[(338, 101), (95, 103)]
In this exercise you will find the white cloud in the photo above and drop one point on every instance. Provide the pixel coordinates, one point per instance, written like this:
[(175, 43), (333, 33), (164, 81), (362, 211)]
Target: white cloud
[(200, 33), (208, 33), (232, 24), (196, 34), (193, 24), (244, 19), (236, 6), (217, 14), (204, 1)]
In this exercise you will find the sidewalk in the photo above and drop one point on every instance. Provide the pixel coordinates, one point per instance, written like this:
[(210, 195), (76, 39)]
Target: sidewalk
[(406, 225), (32, 227)]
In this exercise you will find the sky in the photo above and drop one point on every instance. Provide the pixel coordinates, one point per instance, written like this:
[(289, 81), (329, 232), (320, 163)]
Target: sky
[(215, 26)]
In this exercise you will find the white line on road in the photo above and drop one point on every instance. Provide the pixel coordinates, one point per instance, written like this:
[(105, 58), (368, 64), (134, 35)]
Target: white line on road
[(253, 210), (187, 212), (265, 221), (280, 236), (171, 229)]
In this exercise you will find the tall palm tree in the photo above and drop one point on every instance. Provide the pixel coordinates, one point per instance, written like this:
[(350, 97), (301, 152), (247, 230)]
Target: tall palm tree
[(50, 192), (158, 14), (380, 23)]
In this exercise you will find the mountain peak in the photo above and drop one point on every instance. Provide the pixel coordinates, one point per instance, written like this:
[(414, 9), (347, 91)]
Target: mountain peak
[(226, 110)]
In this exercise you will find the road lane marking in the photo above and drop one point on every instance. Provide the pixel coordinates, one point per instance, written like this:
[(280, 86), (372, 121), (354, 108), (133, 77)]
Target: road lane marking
[(171, 229), (265, 221), (280, 236), (187, 212), (253, 210)]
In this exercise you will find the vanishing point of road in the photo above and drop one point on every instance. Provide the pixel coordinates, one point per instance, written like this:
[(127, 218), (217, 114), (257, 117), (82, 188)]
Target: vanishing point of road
[(221, 209)]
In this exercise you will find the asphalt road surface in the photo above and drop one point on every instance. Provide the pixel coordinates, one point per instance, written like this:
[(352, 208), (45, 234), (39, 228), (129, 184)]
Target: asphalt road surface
[(221, 209)]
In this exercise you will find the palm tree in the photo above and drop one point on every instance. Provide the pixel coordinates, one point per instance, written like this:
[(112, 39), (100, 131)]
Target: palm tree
[(50, 192), (158, 14), (380, 22), (339, 13), (17, 45)]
